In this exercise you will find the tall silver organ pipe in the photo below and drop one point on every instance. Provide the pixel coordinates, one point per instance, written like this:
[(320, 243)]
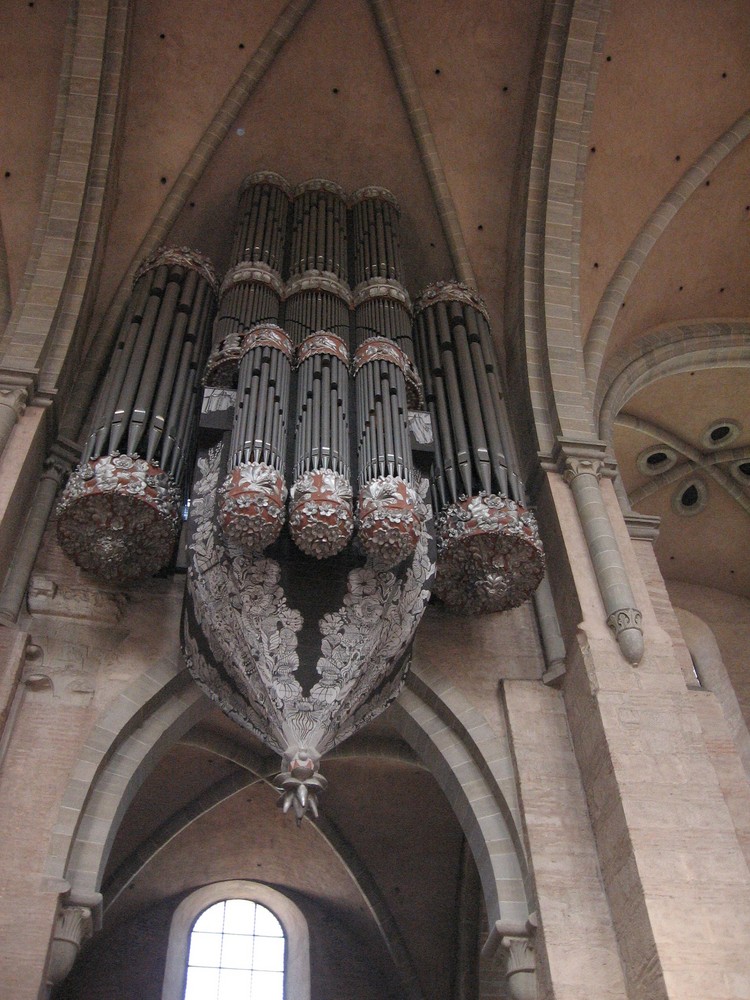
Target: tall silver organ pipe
[(317, 295), (320, 510), (314, 302), (120, 510), (490, 553), (389, 511), (375, 227), (381, 303), (260, 232), (319, 229), (250, 294), (252, 289), (253, 496)]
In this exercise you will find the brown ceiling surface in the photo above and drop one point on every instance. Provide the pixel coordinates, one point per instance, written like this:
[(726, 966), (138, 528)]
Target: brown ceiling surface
[(662, 98), (328, 106), (673, 77), (31, 46), (709, 547)]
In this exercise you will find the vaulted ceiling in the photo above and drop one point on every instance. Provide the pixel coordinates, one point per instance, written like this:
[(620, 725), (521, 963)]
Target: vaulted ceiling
[(434, 100), (342, 98)]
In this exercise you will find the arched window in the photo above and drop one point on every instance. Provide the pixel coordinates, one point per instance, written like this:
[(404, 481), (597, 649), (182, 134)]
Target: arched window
[(236, 953), (237, 941)]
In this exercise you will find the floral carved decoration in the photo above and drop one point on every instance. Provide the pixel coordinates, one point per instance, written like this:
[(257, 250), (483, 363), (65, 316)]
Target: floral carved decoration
[(490, 554), (118, 517), (243, 643)]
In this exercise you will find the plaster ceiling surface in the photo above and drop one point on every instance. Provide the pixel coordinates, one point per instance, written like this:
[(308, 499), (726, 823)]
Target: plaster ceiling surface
[(31, 47), (710, 547), (328, 106), (674, 76), (698, 269)]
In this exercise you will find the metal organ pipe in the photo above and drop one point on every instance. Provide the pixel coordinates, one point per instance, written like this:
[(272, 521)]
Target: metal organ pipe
[(389, 512), (320, 510), (317, 296), (252, 498), (490, 555), (382, 307), (252, 289), (119, 513)]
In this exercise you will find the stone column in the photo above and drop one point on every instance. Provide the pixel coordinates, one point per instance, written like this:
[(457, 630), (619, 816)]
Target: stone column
[(549, 628), (13, 401), (582, 475), (14, 589), (672, 866)]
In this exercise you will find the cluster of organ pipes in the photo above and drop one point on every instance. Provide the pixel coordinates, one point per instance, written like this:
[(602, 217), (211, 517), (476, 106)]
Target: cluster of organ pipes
[(315, 333)]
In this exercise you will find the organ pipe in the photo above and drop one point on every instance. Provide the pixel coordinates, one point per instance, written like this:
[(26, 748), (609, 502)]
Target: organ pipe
[(120, 510), (320, 515), (252, 497), (490, 554), (389, 512)]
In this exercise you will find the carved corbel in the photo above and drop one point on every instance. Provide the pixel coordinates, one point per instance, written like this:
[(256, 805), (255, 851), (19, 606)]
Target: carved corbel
[(520, 967), (517, 942), (73, 927)]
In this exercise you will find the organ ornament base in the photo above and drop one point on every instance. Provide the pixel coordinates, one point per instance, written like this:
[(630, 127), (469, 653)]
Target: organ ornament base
[(390, 516), (321, 521), (118, 517), (490, 556), (252, 505)]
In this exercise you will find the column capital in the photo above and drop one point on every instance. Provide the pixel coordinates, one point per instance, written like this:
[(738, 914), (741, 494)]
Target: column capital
[(572, 457), (628, 631), (15, 397), (578, 466), (520, 966)]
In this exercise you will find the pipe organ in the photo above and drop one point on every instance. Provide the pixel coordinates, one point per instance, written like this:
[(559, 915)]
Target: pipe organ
[(327, 379), (120, 511)]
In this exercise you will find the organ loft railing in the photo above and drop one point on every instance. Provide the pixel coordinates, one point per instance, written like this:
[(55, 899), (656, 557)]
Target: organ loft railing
[(345, 454)]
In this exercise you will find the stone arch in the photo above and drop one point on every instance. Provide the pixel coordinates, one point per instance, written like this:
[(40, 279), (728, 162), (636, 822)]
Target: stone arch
[(470, 761), (668, 350), (550, 231), (120, 751)]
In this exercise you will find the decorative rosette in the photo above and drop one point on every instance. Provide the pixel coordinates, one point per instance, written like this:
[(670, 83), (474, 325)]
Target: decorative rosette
[(118, 517), (252, 505), (390, 516), (320, 513), (490, 556)]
